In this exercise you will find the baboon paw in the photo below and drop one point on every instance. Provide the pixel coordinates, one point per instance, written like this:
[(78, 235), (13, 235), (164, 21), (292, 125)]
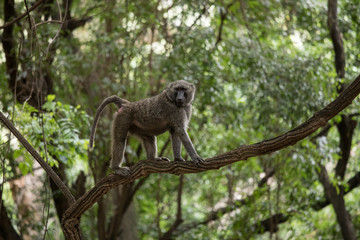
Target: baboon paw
[(180, 159), (197, 160), (162, 159), (123, 171)]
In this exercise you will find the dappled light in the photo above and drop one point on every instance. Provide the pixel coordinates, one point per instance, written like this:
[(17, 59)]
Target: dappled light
[(259, 141)]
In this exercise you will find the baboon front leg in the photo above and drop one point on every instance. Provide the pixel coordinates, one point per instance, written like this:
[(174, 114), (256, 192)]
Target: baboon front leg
[(186, 141), (150, 146), (119, 136), (176, 145)]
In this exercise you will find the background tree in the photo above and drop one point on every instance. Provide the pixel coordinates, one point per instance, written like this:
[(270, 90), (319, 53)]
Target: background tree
[(261, 69)]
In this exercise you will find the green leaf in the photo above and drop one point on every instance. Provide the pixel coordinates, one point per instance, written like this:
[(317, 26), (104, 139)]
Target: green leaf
[(17, 153), (24, 167), (50, 97)]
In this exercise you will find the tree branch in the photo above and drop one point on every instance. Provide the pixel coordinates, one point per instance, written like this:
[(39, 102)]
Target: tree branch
[(283, 217), (7, 24), (223, 14), (346, 129), (271, 224), (217, 214), (336, 198), (353, 182), (336, 38)]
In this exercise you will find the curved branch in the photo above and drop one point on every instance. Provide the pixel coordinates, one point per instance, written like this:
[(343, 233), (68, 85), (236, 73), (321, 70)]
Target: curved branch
[(70, 221), (22, 15)]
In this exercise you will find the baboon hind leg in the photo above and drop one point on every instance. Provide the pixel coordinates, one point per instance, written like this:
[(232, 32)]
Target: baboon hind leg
[(149, 142), (120, 130)]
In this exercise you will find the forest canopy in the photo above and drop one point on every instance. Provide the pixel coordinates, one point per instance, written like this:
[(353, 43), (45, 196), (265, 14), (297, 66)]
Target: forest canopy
[(274, 116)]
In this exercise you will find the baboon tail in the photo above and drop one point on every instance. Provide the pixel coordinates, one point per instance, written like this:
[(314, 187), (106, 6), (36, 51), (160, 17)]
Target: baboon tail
[(113, 99)]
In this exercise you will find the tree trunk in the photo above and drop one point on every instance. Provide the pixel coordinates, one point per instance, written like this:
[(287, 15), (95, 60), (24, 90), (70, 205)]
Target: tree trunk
[(335, 194), (346, 127), (7, 231)]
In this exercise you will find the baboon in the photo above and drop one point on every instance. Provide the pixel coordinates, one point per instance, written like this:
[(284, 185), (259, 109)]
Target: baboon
[(145, 119)]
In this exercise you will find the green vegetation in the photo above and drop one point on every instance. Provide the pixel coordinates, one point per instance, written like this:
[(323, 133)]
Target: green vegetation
[(261, 68)]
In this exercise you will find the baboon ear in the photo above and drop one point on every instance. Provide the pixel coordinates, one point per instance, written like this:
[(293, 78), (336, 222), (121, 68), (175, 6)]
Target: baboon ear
[(170, 85)]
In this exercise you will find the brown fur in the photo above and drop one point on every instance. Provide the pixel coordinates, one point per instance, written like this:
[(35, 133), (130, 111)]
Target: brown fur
[(168, 111)]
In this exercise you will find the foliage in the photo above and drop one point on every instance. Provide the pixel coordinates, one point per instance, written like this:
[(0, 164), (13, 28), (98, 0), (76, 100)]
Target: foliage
[(270, 71), (59, 125)]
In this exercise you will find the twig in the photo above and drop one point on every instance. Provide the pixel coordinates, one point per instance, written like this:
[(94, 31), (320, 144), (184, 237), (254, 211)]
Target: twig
[(28, 13), (61, 27), (48, 21)]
